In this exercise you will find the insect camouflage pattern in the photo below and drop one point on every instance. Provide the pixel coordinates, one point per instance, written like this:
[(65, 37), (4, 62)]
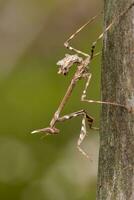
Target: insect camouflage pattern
[(82, 60)]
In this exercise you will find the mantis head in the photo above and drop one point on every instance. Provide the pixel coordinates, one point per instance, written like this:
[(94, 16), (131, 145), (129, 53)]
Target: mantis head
[(66, 63)]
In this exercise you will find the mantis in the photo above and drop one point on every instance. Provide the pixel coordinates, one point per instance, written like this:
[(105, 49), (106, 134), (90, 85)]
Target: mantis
[(83, 61)]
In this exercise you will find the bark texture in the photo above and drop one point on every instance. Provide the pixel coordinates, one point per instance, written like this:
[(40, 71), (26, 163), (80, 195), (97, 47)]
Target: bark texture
[(116, 156)]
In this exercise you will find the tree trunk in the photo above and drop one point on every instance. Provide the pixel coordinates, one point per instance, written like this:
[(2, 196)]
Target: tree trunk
[(116, 157)]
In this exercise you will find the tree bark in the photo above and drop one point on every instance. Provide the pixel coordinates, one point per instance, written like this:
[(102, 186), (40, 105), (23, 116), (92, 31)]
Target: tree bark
[(116, 156)]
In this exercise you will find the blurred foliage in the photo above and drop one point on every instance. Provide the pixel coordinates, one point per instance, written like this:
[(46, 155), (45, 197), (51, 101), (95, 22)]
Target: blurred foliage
[(32, 167)]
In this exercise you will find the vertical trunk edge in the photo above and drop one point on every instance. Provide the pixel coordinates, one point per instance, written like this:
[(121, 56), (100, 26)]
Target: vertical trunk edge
[(116, 155)]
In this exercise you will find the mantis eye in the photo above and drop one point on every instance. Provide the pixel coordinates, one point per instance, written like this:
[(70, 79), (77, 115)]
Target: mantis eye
[(63, 70)]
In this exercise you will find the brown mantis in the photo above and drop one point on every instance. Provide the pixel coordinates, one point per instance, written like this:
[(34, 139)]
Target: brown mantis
[(82, 72)]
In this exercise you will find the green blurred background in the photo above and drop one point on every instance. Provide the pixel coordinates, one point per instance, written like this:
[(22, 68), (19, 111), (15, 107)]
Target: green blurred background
[(32, 34)]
